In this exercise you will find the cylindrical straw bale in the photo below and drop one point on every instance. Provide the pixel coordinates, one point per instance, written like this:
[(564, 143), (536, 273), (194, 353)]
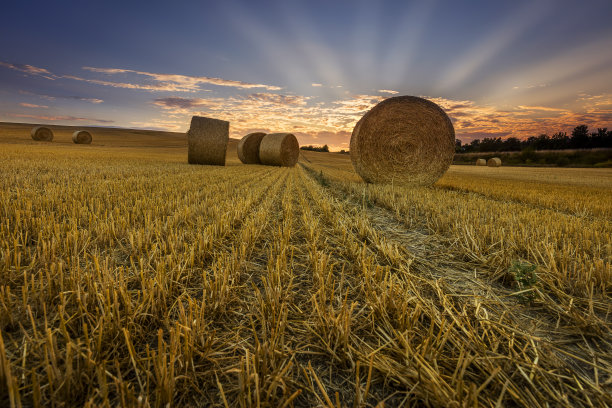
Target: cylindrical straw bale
[(403, 140), (81, 137), (42, 134), (248, 148), (279, 149), (481, 162), (207, 140), (494, 162)]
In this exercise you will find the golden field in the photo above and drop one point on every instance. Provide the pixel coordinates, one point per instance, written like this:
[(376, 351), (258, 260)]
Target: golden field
[(130, 278)]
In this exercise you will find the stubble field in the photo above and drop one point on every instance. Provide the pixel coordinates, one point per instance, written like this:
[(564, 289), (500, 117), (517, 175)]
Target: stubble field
[(128, 277)]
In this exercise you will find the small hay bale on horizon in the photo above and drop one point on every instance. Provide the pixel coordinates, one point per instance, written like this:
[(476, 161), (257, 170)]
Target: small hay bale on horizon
[(494, 162), (81, 137), (207, 140), (279, 149), (403, 140), (42, 134), (481, 162), (248, 148)]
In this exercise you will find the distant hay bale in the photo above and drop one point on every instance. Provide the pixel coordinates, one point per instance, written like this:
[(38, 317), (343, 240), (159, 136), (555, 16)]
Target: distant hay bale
[(279, 149), (481, 162), (403, 140), (81, 137), (494, 162), (207, 140), (248, 148), (42, 134)]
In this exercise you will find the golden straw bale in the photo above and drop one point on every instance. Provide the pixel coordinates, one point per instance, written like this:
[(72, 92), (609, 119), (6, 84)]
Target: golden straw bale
[(403, 140), (248, 148), (42, 134), (279, 149), (494, 162), (207, 140), (481, 162), (81, 137)]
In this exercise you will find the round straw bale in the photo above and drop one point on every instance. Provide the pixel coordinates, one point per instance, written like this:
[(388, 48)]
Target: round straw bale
[(481, 162), (403, 140), (248, 148), (207, 141), (81, 137), (279, 149), (42, 134), (494, 162)]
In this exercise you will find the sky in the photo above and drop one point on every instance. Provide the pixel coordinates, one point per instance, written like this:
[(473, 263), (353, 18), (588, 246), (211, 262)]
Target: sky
[(313, 68)]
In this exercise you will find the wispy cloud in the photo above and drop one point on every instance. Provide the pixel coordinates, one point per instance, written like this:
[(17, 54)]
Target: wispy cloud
[(61, 118), (316, 84), (389, 91), (170, 82), (31, 105), (29, 69), (53, 98)]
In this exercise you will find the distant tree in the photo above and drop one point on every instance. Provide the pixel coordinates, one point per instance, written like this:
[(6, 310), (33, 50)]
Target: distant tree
[(559, 141), (325, 148), (599, 139), (475, 145), (458, 148), (580, 137), (512, 144)]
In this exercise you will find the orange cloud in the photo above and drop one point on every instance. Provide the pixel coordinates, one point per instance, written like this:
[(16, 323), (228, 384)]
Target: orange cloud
[(29, 69), (172, 82), (31, 105)]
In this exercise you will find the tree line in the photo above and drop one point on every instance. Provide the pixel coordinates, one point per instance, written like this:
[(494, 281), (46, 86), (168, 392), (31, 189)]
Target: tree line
[(323, 148), (579, 139)]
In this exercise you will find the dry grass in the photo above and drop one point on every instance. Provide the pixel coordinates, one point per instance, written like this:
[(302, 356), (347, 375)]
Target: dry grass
[(261, 286)]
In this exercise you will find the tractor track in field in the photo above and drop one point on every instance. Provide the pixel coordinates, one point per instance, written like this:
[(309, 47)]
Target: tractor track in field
[(433, 259)]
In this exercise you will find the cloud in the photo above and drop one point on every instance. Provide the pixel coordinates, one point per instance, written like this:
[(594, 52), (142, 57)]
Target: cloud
[(29, 69), (52, 98), (278, 99), (389, 91), (541, 108), (31, 105), (61, 118), (169, 82), (316, 85), (181, 103)]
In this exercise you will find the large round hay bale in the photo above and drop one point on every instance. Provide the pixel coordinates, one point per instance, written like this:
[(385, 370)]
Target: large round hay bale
[(494, 162), (207, 141), (81, 137), (248, 148), (403, 140), (279, 149), (42, 134), (481, 162)]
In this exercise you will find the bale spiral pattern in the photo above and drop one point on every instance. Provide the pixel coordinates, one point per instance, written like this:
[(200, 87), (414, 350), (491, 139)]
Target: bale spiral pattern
[(81, 137), (42, 134), (248, 148), (494, 162), (403, 140)]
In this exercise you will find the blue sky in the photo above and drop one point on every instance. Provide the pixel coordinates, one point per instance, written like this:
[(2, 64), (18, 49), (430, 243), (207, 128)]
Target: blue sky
[(504, 68)]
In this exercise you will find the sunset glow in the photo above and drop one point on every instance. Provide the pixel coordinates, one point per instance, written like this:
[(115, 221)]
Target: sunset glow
[(312, 68)]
